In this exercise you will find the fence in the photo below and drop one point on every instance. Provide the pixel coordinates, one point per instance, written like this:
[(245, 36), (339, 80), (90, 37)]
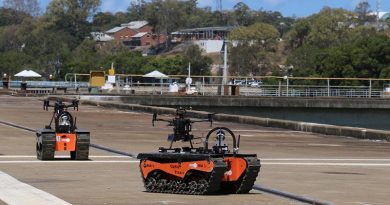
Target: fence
[(48, 84), (265, 86), (247, 86)]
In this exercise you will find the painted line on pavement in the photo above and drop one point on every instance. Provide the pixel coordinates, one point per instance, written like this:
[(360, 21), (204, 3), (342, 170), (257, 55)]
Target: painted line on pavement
[(320, 159), (14, 192), (60, 156), (324, 145), (263, 163), (268, 131), (262, 159)]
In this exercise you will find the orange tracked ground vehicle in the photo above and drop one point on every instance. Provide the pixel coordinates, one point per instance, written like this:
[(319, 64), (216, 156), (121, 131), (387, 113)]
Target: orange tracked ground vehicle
[(65, 136), (202, 170)]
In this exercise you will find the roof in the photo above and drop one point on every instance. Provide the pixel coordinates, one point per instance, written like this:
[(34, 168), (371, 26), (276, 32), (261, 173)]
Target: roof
[(382, 15), (385, 16), (101, 37), (139, 35), (155, 74), (116, 29), (194, 30), (135, 24)]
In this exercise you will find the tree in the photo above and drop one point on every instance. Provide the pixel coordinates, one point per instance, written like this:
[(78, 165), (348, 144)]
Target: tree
[(362, 52), (324, 29), (261, 34), (243, 14), (363, 11), (304, 60), (30, 7), (199, 64), (11, 17), (252, 46), (297, 36), (102, 21), (72, 15), (137, 10)]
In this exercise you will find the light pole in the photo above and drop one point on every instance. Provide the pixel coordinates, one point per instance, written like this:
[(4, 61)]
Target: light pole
[(287, 83), (225, 66), (282, 24)]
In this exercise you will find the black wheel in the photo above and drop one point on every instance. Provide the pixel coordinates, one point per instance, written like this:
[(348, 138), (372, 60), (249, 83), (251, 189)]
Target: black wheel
[(193, 187), (73, 155), (231, 187), (197, 183), (82, 147), (39, 151), (150, 184), (45, 147), (81, 153), (162, 185), (202, 186)]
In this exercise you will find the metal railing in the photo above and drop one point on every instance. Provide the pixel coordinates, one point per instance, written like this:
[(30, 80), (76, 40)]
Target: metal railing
[(48, 84), (211, 85), (263, 90)]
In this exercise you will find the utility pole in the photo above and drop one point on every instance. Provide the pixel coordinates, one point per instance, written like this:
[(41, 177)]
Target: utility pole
[(225, 64), (189, 79), (218, 4), (378, 9)]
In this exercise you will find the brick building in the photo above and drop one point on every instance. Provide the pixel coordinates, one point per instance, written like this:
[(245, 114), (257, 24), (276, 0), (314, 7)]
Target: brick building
[(144, 39), (135, 34), (121, 33)]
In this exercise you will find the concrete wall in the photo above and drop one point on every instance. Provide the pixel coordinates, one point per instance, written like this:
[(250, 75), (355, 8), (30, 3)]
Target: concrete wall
[(242, 101), (210, 46), (285, 124)]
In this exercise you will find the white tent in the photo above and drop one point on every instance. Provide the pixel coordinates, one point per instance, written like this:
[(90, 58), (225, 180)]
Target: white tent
[(28, 74), (155, 74), (159, 75)]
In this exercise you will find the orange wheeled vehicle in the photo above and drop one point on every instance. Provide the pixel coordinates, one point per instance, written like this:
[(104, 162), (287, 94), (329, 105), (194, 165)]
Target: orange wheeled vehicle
[(65, 136), (201, 170)]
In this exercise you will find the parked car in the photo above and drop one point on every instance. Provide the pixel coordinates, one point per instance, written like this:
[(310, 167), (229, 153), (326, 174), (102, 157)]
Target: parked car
[(238, 82), (255, 83), (251, 83)]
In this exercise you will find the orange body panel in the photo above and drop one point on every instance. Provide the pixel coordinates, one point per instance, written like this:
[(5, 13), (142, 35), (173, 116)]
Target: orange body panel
[(176, 169), (236, 167), (65, 142)]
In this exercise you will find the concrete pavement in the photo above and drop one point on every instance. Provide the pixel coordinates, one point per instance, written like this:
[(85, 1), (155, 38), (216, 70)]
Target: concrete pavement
[(328, 168)]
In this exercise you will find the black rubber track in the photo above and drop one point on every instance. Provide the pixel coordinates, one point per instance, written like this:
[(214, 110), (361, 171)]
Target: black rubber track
[(255, 187)]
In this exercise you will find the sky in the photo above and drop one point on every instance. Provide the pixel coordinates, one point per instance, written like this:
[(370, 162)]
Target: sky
[(299, 8)]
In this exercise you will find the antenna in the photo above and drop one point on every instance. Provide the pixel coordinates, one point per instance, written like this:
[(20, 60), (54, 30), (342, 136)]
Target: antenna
[(218, 5)]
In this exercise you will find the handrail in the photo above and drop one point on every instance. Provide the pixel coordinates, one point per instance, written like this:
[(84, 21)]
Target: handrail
[(249, 77)]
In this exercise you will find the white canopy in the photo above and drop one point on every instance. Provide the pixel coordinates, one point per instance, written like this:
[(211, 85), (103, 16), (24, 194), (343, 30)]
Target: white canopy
[(155, 74), (28, 74)]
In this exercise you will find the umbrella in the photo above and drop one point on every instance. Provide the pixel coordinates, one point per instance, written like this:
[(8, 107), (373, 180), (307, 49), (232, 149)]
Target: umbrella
[(156, 74), (28, 74)]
